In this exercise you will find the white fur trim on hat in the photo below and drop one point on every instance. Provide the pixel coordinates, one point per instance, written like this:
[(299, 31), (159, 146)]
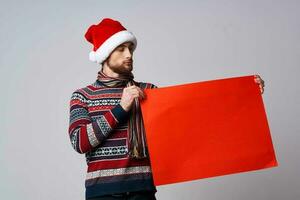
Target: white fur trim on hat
[(92, 56), (110, 44)]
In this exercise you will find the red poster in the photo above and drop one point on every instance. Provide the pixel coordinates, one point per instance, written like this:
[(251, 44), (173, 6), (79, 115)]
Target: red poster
[(206, 129)]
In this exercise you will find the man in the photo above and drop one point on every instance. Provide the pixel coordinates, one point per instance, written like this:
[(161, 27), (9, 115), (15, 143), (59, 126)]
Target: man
[(106, 122)]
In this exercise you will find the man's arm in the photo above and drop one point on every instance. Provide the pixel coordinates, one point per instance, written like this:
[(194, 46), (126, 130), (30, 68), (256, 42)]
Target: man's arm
[(86, 134), (153, 86)]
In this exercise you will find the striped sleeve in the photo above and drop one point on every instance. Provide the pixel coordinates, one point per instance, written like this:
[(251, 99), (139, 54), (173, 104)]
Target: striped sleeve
[(85, 133), (153, 86), (147, 85)]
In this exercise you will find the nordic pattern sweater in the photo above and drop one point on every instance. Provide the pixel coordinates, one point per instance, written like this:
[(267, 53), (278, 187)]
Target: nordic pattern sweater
[(98, 129)]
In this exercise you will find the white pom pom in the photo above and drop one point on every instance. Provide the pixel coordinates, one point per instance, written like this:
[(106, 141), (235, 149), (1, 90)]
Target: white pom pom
[(92, 56)]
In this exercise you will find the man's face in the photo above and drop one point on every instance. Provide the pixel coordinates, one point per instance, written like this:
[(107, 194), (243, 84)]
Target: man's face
[(120, 60)]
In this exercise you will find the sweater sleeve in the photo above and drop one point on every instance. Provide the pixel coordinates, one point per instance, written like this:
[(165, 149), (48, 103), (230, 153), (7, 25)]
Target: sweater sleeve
[(153, 86), (85, 133)]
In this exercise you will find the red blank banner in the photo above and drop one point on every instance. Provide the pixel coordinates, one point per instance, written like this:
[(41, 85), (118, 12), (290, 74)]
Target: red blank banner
[(206, 129)]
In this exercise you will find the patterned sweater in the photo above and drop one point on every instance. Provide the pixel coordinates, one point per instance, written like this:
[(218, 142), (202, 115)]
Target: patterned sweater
[(98, 129)]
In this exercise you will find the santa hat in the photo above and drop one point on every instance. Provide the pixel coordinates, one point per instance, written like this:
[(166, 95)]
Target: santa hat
[(105, 37)]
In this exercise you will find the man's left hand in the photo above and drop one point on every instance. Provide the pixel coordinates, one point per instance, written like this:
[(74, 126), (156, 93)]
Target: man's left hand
[(261, 83)]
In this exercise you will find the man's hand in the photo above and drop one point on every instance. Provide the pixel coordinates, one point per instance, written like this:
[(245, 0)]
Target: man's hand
[(128, 95), (261, 83)]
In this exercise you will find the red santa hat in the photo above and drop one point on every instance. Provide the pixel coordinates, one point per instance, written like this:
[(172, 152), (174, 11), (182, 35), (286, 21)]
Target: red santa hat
[(105, 37)]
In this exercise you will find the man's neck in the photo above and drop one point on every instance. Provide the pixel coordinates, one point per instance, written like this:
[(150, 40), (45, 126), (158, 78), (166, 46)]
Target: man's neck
[(106, 70)]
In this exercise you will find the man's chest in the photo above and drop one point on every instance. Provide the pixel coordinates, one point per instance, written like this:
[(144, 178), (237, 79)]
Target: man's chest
[(102, 100)]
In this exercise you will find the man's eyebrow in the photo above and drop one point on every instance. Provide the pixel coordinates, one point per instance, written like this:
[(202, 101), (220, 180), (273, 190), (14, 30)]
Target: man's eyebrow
[(123, 45)]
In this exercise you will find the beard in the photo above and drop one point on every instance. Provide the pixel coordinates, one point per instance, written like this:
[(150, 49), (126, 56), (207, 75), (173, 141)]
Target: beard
[(121, 69)]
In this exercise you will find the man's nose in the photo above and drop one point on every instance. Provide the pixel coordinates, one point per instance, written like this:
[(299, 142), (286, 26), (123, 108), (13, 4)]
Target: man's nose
[(128, 53)]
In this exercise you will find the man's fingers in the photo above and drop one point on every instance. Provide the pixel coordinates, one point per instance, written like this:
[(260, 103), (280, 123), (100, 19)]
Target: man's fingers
[(131, 87), (259, 80), (261, 89), (137, 91), (141, 92)]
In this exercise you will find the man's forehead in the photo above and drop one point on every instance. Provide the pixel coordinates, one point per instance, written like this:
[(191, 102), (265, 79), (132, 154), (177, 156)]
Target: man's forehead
[(126, 44)]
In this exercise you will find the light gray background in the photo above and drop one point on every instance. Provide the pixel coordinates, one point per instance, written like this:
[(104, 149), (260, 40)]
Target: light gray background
[(44, 58)]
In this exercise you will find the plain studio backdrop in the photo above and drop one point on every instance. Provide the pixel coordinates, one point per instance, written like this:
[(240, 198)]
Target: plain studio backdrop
[(44, 58)]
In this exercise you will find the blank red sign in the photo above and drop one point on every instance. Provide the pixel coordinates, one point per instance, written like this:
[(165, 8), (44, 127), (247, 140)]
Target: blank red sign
[(206, 129)]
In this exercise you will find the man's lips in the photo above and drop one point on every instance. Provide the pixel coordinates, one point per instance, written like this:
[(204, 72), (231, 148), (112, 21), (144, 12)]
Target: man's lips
[(128, 62)]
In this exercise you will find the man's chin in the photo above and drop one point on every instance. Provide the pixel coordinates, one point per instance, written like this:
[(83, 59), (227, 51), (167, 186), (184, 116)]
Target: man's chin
[(128, 68)]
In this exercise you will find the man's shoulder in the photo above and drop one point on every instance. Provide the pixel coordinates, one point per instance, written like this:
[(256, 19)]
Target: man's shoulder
[(146, 85), (81, 92)]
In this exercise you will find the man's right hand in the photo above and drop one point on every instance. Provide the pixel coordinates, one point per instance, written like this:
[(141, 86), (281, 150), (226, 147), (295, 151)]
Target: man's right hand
[(128, 95)]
